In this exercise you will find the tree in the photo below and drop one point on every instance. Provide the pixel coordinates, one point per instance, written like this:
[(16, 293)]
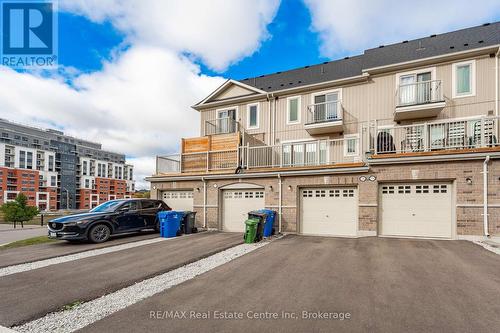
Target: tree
[(18, 210)]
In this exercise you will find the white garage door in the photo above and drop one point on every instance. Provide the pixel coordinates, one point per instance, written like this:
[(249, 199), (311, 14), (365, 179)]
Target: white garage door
[(418, 210), (329, 211), (178, 200), (237, 204)]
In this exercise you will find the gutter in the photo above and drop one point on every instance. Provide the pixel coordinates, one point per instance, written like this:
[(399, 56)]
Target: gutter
[(435, 158), (361, 169), (352, 79), (485, 195)]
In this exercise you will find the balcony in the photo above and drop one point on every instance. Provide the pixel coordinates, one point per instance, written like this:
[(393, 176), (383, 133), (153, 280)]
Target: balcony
[(324, 118), (419, 100), (221, 126), (447, 136), (315, 153)]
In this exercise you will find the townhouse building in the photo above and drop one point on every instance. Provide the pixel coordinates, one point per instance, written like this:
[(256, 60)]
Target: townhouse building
[(399, 141), (57, 171)]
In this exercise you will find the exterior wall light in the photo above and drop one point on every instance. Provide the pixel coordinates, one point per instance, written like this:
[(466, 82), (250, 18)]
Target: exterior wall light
[(289, 187), (215, 185), (362, 179), (270, 188), (468, 180), (154, 187), (197, 189), (372, 178)]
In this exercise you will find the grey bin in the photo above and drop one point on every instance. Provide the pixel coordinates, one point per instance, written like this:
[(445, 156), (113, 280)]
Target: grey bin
[(188, 223), (255, 214)]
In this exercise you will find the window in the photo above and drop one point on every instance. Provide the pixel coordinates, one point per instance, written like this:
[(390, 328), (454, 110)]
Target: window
[(351, 145), (148, 204), (253, 116), (51, 163), (53, 180), (87, 183), (22, 159), (29, 160), (84, 171), (325, 107), (293, 110), (464, 74)]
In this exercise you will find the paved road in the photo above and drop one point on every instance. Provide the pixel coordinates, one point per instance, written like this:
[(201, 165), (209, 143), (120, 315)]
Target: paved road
[(48, 289), (387, 285), (31, 253), (8, 234)]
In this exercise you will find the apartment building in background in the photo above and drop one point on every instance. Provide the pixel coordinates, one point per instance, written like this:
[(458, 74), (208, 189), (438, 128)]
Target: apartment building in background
[(399, 141), (57, 171)]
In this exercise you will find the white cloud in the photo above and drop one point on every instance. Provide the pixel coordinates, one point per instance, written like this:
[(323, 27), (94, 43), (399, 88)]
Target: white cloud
[(352, 26), (143, 167), (219, 32), (139, 103)]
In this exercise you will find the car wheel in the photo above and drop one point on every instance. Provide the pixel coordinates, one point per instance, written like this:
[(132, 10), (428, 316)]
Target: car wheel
[(99, 233), (157, 225)]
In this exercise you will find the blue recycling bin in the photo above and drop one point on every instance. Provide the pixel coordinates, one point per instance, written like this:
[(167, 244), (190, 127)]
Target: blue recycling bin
[(170, 223), (270, 217)]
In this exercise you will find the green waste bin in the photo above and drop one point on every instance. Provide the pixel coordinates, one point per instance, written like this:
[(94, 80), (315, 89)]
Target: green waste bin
[(251, 226)]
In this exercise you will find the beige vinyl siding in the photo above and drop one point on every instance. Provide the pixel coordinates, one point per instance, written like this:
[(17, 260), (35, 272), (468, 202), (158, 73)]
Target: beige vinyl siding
[(374, 99), (241, 114), (233, 91), (481, 103)]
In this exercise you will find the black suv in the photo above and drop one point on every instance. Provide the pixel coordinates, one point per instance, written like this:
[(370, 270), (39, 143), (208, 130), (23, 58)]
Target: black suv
[(111, 217)]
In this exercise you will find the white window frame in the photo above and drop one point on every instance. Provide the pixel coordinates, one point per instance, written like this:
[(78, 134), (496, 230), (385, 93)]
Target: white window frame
[(257, 105), (415, 72), (236, 108), (326, 92), (304, 141), (288, 122), (347, 138), (472, 64)]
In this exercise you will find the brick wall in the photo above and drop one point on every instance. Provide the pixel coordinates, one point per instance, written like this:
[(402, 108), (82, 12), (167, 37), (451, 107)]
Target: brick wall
[(468, 195)]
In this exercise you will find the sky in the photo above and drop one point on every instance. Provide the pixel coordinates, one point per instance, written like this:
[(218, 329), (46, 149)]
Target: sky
[(129, 70)]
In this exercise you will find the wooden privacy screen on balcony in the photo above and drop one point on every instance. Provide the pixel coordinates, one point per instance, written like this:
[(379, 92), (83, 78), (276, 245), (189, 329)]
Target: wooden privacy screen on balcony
[(223, 152)]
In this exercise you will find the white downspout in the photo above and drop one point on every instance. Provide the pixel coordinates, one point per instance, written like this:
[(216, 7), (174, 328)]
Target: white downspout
[(496, 82), (485, 195), (204, 202), (280, 211), (497, 79), (270, 118)]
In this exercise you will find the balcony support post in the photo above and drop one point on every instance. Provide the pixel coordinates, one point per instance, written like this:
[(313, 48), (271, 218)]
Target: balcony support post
[(248, 156), (483, 130), (426, 137), (208, 160)]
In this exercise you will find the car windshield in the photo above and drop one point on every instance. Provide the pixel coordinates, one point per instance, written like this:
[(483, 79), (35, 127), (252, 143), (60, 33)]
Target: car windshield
[(106, 207)]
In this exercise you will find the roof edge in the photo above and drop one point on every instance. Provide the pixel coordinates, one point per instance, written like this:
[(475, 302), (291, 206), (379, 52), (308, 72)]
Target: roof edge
[(423, 61)]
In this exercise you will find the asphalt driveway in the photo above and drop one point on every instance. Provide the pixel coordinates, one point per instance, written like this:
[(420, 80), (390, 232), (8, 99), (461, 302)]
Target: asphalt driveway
[(32, 253), (385, 285), (32, 294)]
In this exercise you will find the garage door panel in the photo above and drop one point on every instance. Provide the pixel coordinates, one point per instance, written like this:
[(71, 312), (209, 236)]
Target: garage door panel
[(416, 210), (178, 200), (329, 212), (237, 204)]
